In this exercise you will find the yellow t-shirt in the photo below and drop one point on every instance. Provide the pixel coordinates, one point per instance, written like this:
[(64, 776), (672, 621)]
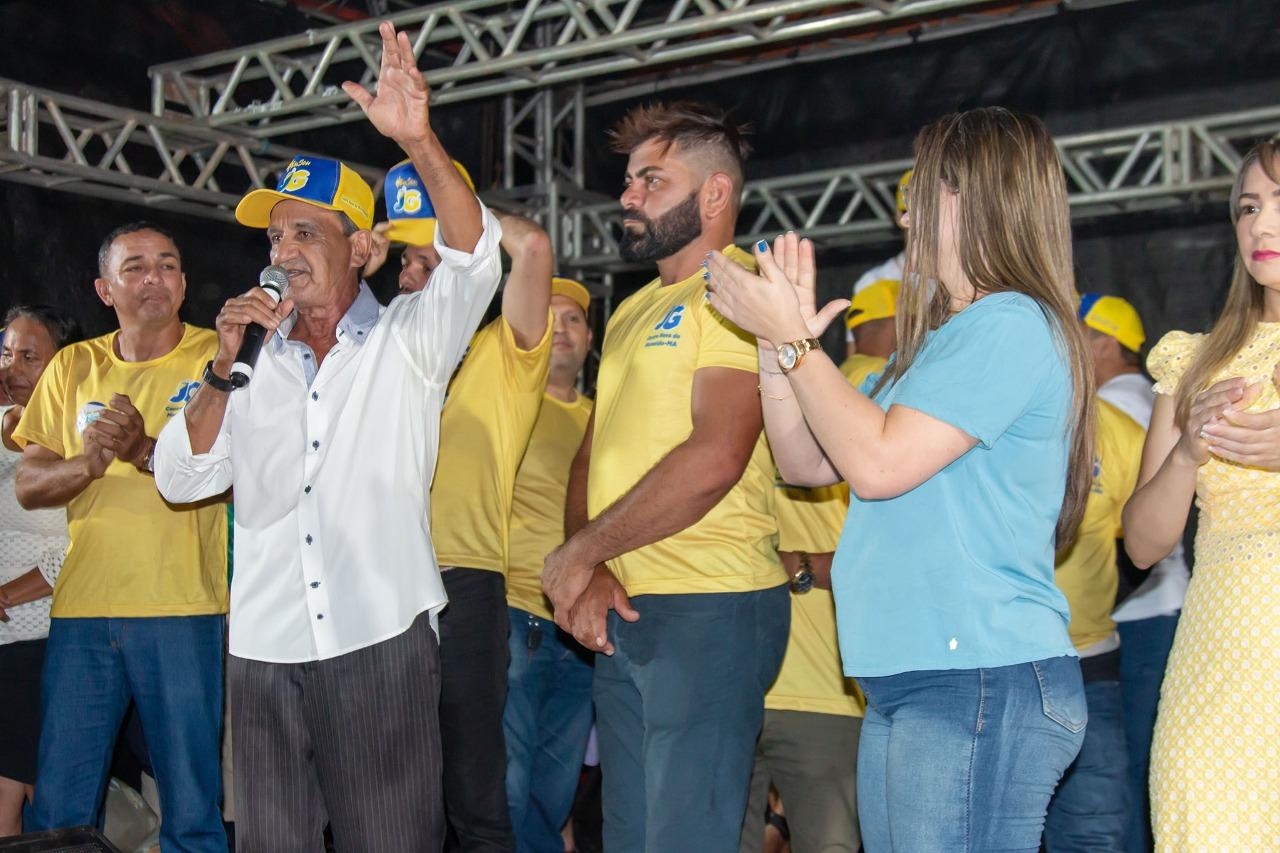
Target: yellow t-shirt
[(811, 678), (859, 366), (1086, 572), (656, 341), (488, 415), (537, 506), (131, 554)]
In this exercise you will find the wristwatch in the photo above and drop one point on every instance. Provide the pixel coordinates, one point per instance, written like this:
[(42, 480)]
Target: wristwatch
[(215, 381), (792, 353), (802, 580)]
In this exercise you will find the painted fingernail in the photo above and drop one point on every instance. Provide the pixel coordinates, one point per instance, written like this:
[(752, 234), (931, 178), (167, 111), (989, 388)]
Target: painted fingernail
[(762, 246), (706, 275)]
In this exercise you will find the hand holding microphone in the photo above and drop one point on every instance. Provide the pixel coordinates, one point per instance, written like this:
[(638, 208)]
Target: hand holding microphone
[(246, 320)]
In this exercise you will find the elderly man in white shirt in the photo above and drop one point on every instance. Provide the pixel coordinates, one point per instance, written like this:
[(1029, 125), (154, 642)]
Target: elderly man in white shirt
[(334, 668)]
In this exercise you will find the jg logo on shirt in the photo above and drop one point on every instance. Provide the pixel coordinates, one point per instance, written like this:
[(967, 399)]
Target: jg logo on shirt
[(663, 334)]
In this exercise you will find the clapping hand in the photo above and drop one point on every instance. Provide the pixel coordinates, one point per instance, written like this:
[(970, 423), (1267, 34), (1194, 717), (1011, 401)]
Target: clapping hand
[(780, 302)]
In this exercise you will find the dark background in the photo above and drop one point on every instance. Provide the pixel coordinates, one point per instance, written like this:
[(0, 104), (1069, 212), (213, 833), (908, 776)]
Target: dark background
[(1106, 67)]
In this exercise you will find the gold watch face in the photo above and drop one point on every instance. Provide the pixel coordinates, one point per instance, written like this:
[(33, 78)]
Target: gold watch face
[(788, 355)]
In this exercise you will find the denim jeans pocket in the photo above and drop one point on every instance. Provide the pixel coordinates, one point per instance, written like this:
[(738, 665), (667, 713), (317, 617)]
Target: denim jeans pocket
[(1062, 692)]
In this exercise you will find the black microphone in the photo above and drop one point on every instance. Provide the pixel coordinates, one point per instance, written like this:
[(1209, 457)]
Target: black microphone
[(275, 281)]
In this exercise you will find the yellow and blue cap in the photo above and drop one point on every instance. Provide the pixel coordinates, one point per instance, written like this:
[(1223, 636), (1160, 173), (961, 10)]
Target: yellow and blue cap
[(321, 181), (901, 195), (571, 289), (1112, 316), (876, 301), (409, 208)]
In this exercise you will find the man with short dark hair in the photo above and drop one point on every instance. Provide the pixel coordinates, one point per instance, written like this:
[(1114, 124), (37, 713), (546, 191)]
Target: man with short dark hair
[(137, 609), (334, 665), (681, 542)]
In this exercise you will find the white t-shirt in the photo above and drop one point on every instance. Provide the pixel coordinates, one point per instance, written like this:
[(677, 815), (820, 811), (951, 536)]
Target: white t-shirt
[(1161, 594)]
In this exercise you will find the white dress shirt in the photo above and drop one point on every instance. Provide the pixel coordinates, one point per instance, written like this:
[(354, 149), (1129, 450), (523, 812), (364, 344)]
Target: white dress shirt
[(332, 468), (1165, 587)]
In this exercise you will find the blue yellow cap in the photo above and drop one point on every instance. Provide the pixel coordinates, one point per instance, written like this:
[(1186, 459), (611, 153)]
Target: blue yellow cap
[(901, 195), (571, 289), (1113, 316), (316, 180), (409, 208), (876, 301)]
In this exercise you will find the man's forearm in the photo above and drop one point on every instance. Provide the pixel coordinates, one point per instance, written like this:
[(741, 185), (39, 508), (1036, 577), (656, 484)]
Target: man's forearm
[(29, 586), (47, 483), (674, 495), (205, 414), (457, 209), (575, 501)]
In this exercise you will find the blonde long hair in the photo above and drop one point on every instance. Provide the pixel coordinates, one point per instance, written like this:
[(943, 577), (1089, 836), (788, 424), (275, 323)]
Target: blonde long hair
[(1243, 310), (1013, 235)]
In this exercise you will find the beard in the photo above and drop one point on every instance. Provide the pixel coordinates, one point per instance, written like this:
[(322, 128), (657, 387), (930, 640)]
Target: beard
[(664, 236)]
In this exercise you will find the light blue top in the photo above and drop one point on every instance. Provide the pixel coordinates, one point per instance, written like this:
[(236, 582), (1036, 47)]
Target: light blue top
[(958, 572)]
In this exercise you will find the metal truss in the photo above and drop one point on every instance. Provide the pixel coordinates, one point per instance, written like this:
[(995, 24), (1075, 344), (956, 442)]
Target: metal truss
[(57, 141), (483, 48), (1111, 172)]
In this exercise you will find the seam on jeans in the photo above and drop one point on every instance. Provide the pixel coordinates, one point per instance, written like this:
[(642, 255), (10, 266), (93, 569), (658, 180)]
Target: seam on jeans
[(973, 760)]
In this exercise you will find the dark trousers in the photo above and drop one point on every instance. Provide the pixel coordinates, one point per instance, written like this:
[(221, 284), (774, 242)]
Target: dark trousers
[(679, 705), (352, 741), (473, 693)]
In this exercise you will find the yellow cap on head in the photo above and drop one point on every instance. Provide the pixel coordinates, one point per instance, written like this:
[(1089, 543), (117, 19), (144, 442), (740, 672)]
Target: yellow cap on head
[(571, 289), (409, 208), (901, 195), (876, 301), (315, 180), (1113, 316)]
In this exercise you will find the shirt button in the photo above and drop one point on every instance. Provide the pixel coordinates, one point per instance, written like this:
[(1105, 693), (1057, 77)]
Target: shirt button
[(307, 490), (319, 615), (315, 396), (315, 584), (308, 538), (315, 445), (307, 356)]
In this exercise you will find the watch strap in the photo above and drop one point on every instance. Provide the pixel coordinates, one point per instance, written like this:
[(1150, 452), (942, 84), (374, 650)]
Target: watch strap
[(215, 381)]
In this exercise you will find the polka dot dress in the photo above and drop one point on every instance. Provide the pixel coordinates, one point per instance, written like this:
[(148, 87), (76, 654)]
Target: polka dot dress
[(1215, 763)]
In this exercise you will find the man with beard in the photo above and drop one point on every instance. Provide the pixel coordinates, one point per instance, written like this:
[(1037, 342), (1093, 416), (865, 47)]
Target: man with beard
[(681, 539)]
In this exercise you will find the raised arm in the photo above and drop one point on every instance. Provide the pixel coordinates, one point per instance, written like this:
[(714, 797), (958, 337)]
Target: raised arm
[(401, 111), (527, 294), (1156, 516), (881, 455)]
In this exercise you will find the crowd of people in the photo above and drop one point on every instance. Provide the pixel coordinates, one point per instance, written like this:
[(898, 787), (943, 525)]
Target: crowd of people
[(409, 564)]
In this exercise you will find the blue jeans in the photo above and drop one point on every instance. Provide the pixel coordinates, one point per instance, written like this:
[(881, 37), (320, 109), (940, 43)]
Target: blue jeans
[(966, 759), (546, 721), (1144, 651), (171, 667), (678, 707), (1090, 810)]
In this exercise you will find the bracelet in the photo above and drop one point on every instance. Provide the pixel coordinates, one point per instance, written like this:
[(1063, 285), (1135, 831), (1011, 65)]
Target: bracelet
[(215, 381), (760, 391)]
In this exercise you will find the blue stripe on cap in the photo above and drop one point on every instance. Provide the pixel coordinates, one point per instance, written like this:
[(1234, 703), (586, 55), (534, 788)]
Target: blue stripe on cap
[(311, 178), (1087, 301)]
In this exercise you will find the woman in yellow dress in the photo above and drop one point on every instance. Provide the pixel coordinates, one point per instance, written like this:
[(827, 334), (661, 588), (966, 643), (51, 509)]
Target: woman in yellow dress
[(1215, 765)]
